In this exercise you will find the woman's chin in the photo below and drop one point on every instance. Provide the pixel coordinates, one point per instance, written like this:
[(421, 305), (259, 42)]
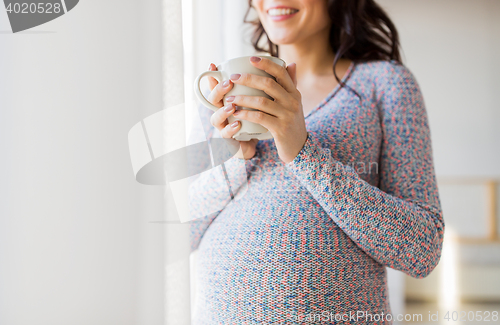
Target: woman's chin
[(282, 40)]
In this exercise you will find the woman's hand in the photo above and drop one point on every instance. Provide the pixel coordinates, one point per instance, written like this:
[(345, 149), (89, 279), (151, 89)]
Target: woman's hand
[(219, 118), (284, 116)]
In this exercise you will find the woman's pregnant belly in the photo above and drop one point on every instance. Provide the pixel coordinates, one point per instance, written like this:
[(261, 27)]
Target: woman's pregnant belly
[(275, 256)]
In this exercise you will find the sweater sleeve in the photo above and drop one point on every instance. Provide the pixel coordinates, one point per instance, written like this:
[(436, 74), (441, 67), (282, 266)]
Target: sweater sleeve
[(211, 191), (400, 223)]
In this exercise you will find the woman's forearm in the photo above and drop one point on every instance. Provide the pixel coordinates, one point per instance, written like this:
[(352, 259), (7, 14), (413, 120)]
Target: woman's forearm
[(400, 223)]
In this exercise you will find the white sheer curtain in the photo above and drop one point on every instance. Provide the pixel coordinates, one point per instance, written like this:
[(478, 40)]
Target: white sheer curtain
[(196, 33), (154, 142), (177, 286)]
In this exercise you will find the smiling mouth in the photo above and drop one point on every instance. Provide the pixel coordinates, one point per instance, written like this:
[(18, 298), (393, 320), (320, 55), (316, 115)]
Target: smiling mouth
[(277, 12)]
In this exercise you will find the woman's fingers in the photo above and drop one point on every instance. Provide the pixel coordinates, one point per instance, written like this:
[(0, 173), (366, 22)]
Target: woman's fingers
[(280, 73), (230, 129), (219, 91), (212, 82), (219, 118), (266, 120), (219, 121), (260, 103), (268, 85)]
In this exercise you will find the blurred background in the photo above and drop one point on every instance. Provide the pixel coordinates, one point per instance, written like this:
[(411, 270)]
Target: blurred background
[(452, 47), (81, 242)]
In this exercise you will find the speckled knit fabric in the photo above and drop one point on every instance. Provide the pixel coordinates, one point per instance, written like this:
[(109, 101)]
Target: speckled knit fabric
[(307, 242)]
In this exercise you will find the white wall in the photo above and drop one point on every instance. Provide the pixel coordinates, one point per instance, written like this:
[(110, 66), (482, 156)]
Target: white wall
[(453, 46), (76, 242)]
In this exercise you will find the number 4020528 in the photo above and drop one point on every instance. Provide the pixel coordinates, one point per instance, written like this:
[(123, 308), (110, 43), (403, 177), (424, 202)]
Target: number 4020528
[(478, 316), (31, 8)]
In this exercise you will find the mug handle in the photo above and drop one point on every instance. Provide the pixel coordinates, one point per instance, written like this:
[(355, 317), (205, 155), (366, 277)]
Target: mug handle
[(197, 88)]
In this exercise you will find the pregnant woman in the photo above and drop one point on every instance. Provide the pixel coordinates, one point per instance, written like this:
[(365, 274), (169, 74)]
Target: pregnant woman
[(299, 229)]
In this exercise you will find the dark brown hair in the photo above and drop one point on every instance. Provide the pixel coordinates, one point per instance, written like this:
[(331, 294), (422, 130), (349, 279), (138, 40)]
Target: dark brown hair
[(361, 31)]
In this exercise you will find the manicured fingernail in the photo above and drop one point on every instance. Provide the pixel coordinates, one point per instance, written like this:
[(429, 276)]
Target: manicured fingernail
[(229, 99), (210, 66), (229, 108), (235, 124), (255, 59), (225, 83), (235, 76)]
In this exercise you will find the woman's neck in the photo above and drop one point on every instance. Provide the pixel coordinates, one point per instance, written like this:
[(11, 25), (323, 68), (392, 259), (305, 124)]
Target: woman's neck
[(314, 56)]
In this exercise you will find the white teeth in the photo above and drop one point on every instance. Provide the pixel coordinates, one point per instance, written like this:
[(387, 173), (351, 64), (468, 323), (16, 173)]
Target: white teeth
[(281, 12)]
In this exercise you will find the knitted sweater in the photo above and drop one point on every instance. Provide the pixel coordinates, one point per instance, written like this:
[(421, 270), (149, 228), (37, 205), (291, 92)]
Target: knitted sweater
[(308, 242)]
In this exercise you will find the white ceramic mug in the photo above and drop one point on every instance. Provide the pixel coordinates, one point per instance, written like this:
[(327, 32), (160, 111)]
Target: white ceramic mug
[(248, 130)]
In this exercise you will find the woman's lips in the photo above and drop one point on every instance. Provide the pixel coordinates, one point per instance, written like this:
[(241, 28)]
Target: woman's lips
[(281, 13)]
